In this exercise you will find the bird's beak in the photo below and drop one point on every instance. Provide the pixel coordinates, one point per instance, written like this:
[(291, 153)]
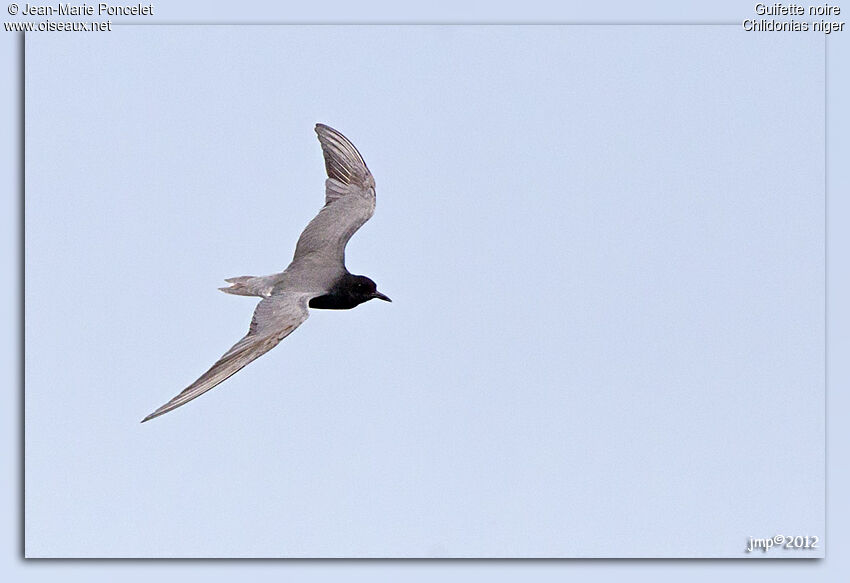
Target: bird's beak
[(381, 296)]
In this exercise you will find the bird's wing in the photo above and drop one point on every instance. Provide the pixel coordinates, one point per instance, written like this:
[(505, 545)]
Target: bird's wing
[(274, 319), (349, 199)]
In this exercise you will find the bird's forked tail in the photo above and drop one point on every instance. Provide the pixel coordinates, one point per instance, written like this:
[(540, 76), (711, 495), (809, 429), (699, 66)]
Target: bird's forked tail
[(248, 285)]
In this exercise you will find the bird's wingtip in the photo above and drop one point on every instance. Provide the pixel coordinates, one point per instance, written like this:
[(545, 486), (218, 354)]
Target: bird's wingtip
[(321, 128)]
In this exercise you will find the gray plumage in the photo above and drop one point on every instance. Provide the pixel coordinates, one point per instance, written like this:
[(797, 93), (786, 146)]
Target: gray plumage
[(316, 277)]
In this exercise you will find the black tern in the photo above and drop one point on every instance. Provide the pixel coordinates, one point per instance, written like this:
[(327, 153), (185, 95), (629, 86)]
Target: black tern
[(316, 277)]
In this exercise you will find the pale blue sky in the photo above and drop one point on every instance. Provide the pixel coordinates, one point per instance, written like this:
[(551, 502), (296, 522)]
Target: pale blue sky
[(604, 247)]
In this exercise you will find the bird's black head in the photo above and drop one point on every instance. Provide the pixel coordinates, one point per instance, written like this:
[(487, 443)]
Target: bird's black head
[(363, 287), (350, 291)]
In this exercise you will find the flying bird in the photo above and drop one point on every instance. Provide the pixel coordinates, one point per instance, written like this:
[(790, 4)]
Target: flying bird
[(316, 277)]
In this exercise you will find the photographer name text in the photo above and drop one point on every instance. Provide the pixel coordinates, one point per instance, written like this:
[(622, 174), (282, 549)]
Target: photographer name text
[(101, 9)]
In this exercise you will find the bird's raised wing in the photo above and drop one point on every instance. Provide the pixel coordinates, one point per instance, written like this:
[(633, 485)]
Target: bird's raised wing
[(274, 319), (349, 199)]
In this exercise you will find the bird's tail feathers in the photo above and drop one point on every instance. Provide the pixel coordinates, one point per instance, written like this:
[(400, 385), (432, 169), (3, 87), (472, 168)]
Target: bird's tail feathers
[(248, 285)]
